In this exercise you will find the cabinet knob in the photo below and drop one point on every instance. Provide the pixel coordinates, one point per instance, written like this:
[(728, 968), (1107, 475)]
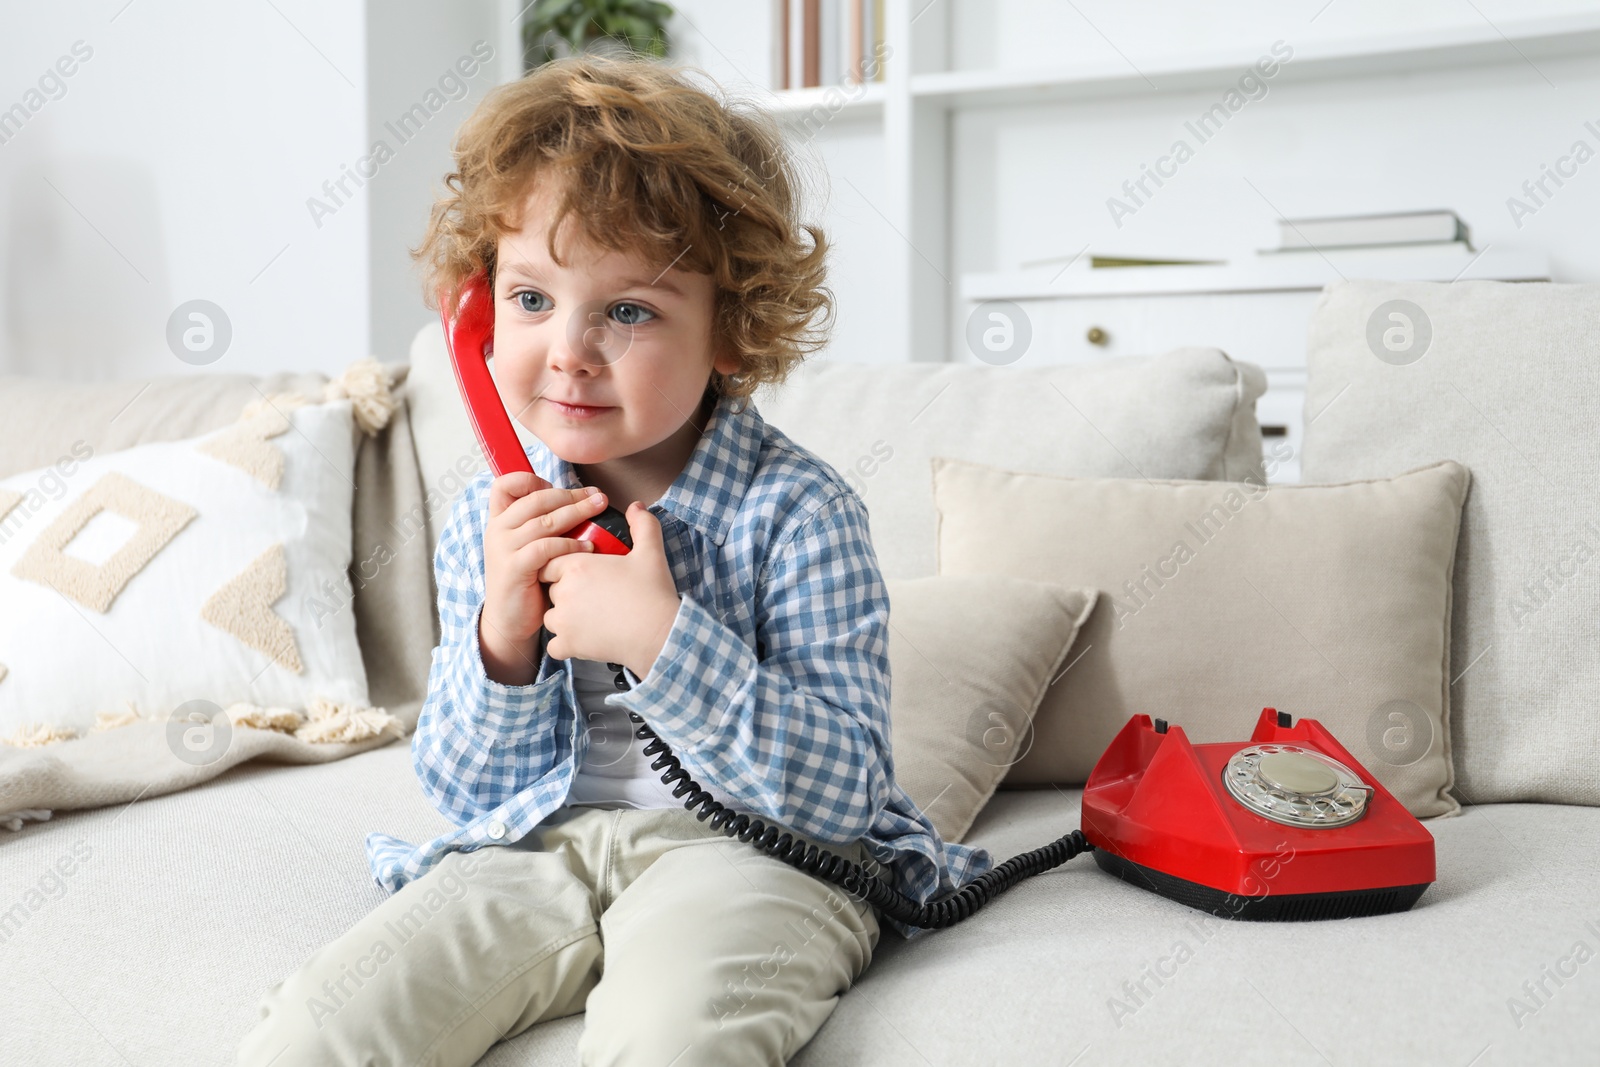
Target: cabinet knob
[(1097, 336)]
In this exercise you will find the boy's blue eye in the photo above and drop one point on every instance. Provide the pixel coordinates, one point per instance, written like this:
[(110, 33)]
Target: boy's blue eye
[(522, 301), (633, 319)]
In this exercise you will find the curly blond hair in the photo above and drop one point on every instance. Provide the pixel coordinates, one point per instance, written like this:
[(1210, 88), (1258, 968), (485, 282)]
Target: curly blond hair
[(648, 164)]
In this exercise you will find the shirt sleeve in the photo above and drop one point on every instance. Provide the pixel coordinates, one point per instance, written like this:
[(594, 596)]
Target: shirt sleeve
[(799, 735), (478, 742)]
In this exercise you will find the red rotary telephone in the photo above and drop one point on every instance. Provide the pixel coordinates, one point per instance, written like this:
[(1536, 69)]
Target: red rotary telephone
[(1285, 826)]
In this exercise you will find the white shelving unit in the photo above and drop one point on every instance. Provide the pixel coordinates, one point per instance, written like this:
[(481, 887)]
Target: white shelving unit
[(1283, 272), (828, 101), (1255, 311), (915, 102), (1354, 57)]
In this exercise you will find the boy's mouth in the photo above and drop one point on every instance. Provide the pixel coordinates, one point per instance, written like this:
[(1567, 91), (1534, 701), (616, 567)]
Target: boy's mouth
[(578, 411)]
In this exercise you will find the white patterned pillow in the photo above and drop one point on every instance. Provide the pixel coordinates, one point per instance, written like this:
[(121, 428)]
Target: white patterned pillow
[(207, 573)]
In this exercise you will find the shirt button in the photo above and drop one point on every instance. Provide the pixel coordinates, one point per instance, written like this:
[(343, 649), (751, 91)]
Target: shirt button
[(497, 829)]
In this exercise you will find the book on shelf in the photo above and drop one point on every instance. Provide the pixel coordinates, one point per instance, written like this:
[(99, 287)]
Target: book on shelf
[(1371, 231), (1417, 251), (1102, 262), (826, 42), (874, 52), (810, 37)]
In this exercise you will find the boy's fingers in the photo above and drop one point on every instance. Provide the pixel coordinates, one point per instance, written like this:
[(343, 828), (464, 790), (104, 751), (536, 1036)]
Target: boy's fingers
[(551, 571), (513, 486), (570, 504)]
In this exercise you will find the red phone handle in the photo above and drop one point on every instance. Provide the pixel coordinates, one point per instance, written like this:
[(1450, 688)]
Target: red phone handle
[(469, 338)]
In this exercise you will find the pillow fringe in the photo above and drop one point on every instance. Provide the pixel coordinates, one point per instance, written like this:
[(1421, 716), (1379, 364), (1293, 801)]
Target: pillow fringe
[(332, 722), (324, 722), (110, 720), (366, 384), (13, 820), (39, 734)]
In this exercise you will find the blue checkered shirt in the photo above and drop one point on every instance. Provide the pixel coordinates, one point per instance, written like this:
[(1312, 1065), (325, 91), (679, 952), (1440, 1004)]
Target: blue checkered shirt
[(772, 687)]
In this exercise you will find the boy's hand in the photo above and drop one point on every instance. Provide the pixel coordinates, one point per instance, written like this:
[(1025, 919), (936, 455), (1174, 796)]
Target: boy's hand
[(526, 518), (616, 609)]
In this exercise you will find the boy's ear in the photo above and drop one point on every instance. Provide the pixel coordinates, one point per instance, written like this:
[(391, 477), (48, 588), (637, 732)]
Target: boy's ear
[(727, 360)]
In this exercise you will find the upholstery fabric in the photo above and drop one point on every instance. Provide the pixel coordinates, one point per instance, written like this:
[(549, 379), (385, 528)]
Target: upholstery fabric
[(971, 658), (185, 917), (1499, 376)]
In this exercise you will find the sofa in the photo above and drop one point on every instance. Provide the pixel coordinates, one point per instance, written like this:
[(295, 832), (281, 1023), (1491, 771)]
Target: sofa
[(158, 949)]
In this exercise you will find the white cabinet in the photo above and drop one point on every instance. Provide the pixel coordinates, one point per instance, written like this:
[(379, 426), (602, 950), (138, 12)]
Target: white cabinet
[(1256, 312), (1264, 328)]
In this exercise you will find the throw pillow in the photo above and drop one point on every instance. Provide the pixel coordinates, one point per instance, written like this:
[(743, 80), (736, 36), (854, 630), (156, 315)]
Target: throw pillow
[(971, 657), (181, 581), (1220, 599)]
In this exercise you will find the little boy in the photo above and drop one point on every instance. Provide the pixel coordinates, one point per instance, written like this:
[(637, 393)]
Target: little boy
[(647, 275)]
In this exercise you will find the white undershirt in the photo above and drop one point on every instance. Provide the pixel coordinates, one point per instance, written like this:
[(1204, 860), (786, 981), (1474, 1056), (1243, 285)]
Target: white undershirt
[(614, 772)]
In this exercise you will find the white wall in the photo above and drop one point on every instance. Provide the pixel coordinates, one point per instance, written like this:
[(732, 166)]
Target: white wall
[(848, 201), (176, 165), (728, 39), (417, 51)]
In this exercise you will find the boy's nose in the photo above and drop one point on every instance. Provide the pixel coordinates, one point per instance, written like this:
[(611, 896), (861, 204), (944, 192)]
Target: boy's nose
[(567, 348)]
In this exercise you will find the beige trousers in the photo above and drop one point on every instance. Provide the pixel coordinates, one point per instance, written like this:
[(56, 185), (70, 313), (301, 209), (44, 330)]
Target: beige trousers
[(683, 945)]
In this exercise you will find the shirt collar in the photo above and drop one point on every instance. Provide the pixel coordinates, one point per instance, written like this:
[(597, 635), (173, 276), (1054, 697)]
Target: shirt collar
[(708, 491)]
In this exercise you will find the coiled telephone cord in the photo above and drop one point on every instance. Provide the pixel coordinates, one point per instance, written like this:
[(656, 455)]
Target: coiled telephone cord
[(775, 841)]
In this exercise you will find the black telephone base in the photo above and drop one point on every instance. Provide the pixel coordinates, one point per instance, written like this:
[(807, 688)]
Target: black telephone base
[(1282, 907)]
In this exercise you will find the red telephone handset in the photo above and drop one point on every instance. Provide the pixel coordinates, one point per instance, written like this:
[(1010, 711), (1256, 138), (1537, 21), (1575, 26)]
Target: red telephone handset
[(469, 338)]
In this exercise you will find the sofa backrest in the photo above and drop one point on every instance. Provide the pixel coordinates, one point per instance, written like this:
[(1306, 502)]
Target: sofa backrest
[(1505, 379), (1187, 414)]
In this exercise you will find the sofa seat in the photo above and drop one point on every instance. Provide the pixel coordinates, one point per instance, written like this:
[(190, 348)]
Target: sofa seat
[(181, 910)]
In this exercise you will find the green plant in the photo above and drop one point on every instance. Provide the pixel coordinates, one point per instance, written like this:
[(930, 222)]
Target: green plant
[(557, 27)]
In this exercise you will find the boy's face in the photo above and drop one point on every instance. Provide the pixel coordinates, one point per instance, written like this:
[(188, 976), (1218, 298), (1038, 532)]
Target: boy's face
[(609, 331)]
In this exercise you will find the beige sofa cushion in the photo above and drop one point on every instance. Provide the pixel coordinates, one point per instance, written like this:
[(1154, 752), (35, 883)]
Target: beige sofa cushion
[(1187, 414), (1508, 383), (1219, 599), (970, 659)]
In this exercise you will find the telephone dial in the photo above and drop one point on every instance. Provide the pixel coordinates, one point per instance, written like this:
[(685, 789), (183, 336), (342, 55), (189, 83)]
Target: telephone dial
[(1288, 826)]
